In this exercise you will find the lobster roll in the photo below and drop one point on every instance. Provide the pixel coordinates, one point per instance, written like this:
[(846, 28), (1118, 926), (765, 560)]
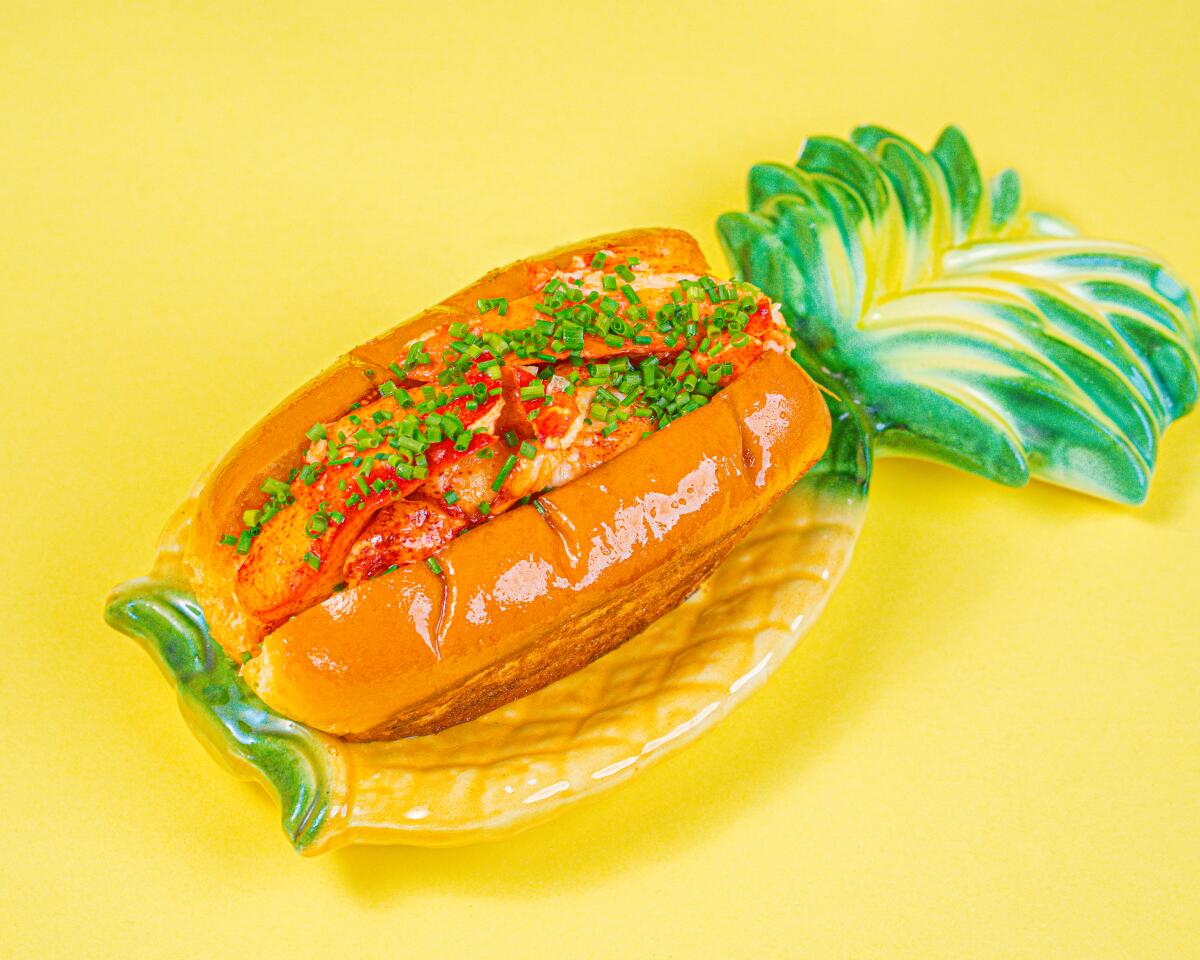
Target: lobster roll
[(503, 489)]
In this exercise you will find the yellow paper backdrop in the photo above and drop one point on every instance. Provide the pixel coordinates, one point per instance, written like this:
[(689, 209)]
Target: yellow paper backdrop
[(988, 748)]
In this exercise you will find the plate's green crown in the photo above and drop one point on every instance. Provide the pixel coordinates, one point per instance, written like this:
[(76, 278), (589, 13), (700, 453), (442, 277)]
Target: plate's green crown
[(960, 327)]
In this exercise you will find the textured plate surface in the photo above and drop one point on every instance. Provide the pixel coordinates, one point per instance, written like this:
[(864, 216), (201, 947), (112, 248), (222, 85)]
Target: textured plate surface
[(525, 762)]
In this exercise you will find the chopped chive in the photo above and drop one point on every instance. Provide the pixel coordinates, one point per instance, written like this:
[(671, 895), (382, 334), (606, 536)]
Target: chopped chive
[(313, 560), (451, 497), (434, 566), (504, 472), (275, 488), (497, 345)]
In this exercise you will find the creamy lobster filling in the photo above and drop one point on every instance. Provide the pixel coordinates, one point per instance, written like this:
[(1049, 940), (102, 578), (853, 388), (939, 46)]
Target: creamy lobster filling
[(487, 411)]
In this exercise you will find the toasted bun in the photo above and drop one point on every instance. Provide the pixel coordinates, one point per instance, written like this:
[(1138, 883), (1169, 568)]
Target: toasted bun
[(530, 596)]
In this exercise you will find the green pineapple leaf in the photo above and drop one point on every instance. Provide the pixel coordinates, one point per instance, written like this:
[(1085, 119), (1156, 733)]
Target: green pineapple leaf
[(963, 328)]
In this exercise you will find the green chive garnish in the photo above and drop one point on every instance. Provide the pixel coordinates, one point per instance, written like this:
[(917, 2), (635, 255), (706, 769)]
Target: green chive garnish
[(504, 472), (275, 488)]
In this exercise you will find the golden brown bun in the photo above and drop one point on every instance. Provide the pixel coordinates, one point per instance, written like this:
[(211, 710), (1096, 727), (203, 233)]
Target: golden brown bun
[(527, 598)]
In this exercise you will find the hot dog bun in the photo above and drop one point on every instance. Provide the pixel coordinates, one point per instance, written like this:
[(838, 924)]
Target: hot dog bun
[(532, 594)]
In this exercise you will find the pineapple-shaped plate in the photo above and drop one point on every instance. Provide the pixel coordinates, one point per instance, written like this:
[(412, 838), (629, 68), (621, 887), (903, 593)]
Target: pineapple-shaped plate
[(944, 320)]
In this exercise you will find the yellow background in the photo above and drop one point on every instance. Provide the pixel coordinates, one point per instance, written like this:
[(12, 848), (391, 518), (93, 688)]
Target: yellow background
[(988, 747)]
